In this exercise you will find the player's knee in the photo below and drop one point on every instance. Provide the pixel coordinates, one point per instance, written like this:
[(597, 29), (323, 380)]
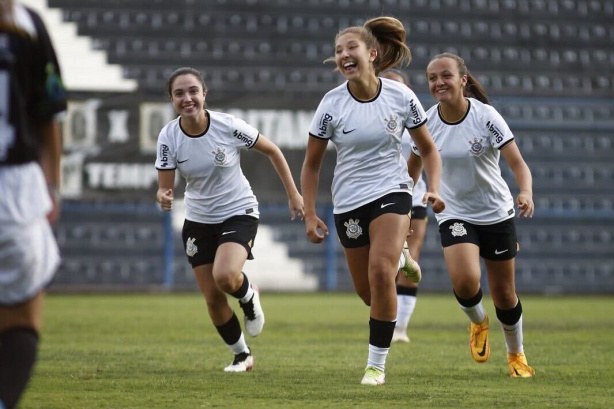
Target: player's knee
[(229, 281)]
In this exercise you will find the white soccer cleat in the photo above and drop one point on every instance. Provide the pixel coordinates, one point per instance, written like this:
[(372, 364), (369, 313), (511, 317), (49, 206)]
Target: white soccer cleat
[(254, 316), (399, 335), (373, 377), (243, 362), (409, 267)]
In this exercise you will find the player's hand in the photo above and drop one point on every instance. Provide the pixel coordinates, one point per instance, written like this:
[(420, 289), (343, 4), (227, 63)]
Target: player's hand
[(295, 203), (315, 228), (437, 203), (525, 204), (56, 205), (165, 198)]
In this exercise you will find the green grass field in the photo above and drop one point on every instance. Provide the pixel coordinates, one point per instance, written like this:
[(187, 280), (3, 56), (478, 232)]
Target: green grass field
[(161, 351)]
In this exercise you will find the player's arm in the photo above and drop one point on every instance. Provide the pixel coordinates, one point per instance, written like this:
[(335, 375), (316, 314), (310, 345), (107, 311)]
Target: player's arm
[(414, 165), (432, 164), (51, 152), (272, 151), (523, 177), (166, 183), (310, 178)]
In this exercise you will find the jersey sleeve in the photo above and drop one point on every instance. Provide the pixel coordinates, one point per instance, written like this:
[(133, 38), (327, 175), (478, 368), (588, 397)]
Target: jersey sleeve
[(244, 135), (322, 124), (417, 116), (50, 95), (166, 153), (498, 131)]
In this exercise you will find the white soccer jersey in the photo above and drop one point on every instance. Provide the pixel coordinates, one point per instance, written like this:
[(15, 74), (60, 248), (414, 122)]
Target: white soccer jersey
[(216, 188), (471, 183), (420, 187), (367, 136)]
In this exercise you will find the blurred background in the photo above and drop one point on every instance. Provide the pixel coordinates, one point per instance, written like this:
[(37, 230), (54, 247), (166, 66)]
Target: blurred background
[(546, 64)]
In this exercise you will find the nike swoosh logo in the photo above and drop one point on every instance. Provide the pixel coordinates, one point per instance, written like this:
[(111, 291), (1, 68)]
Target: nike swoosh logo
[(346, 132), (497, 252), (228, 232), (483, 351), (387, 204), (181, 161)]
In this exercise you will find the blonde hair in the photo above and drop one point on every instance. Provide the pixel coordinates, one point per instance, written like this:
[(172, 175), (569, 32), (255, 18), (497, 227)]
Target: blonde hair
[(387, 36)]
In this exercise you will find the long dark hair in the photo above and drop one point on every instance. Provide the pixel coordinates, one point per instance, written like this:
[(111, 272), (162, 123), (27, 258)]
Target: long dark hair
[(387, 36), (473, 88)]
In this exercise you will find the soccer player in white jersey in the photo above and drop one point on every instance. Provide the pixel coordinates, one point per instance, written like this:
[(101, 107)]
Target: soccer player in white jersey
[(407, 287), (31, 95), (221, 209), (365, 118), (479, 217)]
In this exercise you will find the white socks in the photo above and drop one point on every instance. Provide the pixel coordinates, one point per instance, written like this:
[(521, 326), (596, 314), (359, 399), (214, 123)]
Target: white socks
[(513, 337), (239, 346), (248, 295), (476, 313), (405, 308), (377, 357)]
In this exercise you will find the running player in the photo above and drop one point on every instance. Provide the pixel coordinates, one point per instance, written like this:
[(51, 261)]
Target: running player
[(31, 94), (365, 118), (479, 217), (221, 210)]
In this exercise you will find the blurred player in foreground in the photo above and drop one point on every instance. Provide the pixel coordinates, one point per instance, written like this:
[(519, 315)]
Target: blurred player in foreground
[(31, 95)]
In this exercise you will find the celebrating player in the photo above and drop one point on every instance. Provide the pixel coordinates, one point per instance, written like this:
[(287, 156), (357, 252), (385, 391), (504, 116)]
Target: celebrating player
[(478, 220), (221, 210), (365, 118)]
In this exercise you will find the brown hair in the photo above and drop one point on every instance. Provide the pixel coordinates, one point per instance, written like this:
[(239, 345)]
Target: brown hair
[(473, 88), (184, 71), (7, 19), (387, 36)]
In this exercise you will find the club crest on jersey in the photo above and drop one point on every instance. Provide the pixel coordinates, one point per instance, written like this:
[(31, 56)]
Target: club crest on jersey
[(392, 124), (458, 230), (353, 229), (190, 247), (219, 156), (476, 147)]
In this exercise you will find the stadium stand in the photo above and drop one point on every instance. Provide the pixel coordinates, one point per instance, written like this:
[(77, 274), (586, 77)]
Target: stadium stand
[(546, 64)]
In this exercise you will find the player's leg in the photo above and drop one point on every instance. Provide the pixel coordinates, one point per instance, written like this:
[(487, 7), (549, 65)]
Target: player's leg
[(460, 241), (19, 327), (236, 239), (499, 259), (358, 264), (387, 234), (29, 257), (224, 319), (407, 290)]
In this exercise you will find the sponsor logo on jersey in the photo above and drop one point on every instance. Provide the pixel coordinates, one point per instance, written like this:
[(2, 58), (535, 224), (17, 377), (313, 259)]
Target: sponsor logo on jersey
[(476, 147), (496, 132), (239, 135), (392, 124), (324, 121), (458, 230), (164, 155), (414, 112), (190, 247), (353, 229), (219, 156)]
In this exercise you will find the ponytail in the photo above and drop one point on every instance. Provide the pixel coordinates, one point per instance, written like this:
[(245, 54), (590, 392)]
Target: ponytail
[(387, 36), (474, 89), (391, 48)]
